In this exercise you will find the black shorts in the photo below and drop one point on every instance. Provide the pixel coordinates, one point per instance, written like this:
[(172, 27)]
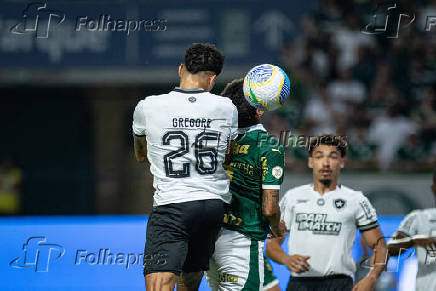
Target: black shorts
[(181, 236), (328, 283)]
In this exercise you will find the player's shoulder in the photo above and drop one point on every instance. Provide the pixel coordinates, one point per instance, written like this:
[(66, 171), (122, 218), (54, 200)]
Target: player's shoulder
[(352, 193), (222, 100), (148, 100), (427, 214), (299, 190), (268, 142)]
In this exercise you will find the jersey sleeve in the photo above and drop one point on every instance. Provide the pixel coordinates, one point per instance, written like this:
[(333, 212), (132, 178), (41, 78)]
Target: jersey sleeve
[(273, 163), (409, 225), (286, 212), (366, 217), (138, 125), (234, 123)]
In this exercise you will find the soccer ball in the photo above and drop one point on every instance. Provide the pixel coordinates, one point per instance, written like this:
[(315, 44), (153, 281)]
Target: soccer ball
[(266, 87)]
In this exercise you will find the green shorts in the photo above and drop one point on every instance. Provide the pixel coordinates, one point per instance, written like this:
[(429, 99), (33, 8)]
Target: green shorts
[(269, 280)]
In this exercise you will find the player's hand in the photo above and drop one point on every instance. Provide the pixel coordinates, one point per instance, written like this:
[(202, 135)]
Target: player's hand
[(297, 263), (425, 242), (366, 284)]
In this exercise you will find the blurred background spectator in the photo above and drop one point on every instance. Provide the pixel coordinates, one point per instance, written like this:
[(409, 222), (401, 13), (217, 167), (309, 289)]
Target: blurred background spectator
[(377, 91), (10, 186)]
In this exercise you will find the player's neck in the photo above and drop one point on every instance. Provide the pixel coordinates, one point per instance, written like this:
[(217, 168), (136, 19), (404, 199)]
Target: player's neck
[(322, 188), (194, 83)]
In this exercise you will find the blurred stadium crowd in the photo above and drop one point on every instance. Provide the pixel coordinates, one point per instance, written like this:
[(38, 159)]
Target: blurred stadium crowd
[(379, 92)]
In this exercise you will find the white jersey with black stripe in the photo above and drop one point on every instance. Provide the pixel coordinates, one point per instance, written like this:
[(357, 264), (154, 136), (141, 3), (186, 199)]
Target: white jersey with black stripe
[(324, 227), (187, 133)]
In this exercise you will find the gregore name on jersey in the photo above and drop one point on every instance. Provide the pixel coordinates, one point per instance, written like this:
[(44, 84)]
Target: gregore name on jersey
[(187, 143)]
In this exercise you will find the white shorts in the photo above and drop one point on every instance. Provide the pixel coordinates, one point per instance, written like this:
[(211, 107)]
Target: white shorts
[(237, 263)]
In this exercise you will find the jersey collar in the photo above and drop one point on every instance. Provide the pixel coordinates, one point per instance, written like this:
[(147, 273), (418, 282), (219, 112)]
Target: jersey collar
[(312, 186), (258, 126), (189, 91)]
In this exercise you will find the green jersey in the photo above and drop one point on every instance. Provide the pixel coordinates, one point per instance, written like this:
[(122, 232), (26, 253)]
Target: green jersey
[(257, 163)]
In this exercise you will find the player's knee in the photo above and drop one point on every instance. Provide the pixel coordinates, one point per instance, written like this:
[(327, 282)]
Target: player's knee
[(160, 281)]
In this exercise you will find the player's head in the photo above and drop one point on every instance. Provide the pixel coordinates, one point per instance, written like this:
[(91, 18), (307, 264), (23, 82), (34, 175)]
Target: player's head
[(247, 114), (203, 62), (326, 157)]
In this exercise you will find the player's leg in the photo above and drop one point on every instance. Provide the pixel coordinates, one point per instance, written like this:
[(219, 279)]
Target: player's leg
[(205, 228), (237, 263), (166, 247), (189, 281), (270, 282), (212, 274), (161, 281)]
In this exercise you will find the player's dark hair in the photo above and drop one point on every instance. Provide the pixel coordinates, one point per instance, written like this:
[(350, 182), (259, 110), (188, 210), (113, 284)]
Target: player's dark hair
[(202, 57), (246, 113), (339, 141)]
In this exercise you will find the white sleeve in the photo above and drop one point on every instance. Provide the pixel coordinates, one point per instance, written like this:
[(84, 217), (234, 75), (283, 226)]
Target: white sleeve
[(286, 212), (234, 125), (409, 224), (138, 125), (366, 217)]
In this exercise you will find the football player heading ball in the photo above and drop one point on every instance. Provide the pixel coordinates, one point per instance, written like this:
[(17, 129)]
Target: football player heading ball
[(256, 172), (184, 134)]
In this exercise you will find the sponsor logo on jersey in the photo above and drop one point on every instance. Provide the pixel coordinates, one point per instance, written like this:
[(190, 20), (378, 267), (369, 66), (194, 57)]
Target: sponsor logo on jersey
[(241, 149), (366, 209), (339, 203), (192, 99), (320, 202), (277, 172), (224, 277), (317, 223)]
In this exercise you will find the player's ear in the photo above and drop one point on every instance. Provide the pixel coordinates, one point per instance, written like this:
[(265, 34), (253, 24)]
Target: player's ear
[(181, 70), (310, 162), (260, 112), (212, 79)]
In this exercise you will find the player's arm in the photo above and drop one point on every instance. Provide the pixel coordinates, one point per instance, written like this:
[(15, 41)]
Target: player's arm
[(272, 161), (140, 146), (233, 135), (376, 242), (402, 239), (399, 244), (229, 153), (295, 263), (271, 211), (139, 131)]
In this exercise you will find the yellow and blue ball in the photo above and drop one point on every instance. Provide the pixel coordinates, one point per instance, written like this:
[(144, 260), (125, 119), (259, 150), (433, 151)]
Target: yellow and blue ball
[(266, 87)]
